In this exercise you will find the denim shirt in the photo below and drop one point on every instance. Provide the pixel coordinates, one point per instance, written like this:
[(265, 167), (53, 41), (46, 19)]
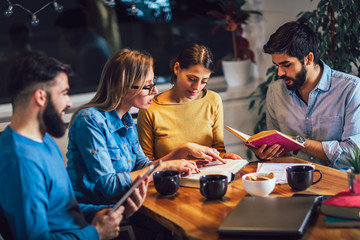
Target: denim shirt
[(103, 149), (332, 115)]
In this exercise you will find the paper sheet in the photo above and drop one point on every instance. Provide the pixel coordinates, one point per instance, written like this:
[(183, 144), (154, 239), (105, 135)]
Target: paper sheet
[(279, 169)]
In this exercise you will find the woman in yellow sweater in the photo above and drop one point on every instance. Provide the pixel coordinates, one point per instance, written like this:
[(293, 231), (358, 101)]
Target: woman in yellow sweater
[(188, 114)]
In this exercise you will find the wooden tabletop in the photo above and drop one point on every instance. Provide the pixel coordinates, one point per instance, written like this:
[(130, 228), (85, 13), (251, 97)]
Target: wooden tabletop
[(191, 216)]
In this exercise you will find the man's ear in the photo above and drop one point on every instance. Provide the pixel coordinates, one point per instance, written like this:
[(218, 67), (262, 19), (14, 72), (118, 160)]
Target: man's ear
[(309, 59), (40, 97)]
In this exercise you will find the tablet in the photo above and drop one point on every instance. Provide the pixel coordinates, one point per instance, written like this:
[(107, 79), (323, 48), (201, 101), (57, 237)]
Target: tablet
[(134, 186)]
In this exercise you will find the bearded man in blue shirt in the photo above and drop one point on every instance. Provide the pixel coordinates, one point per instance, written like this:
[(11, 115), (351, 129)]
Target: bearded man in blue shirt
[(313, 103), (37, 199)]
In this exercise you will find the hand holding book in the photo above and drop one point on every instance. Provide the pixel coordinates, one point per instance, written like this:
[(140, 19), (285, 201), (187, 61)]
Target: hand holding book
[(268, 144), (265, 152)]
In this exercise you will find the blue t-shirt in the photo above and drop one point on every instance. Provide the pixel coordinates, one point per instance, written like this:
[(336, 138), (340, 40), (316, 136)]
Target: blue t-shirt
[(332, 115), (36, 193), (103, 149)]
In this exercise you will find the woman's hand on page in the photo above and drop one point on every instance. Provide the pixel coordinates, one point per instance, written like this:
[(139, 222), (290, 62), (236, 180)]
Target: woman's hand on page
[(267, 153), (207, 153), (200, 163), (183, 166), (231, 156)]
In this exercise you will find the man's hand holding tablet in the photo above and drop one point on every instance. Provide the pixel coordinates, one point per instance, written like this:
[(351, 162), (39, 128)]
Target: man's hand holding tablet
[(137, 195), (134, 202)]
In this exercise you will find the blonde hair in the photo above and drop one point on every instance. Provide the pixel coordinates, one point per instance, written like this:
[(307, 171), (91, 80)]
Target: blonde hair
[(123, 69)]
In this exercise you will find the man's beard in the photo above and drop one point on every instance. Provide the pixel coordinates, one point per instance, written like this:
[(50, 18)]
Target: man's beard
[(298, 81), (52, 121)]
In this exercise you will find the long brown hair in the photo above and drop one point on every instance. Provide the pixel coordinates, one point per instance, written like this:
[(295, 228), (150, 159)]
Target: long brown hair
[(193, 54), (121, 71)]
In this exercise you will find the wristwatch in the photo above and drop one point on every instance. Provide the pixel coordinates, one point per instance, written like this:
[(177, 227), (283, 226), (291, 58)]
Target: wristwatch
[(301, 139)]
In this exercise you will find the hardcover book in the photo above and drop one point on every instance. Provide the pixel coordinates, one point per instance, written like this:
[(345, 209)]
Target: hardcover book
[(334, 222), (270, 137), (343, 205), (229, 169)]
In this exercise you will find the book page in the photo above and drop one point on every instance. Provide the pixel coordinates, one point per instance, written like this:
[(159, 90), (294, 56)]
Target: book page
[(279, 170), (286, 136), (240, 135), (231, 167)]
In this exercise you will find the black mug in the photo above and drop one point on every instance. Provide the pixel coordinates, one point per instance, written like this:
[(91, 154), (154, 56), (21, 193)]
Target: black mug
[(213, 186), (166, 182), (301, 177)]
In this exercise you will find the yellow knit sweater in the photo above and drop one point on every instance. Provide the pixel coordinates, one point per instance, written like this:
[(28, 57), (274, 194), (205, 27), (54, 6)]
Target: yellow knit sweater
[(165, 126)]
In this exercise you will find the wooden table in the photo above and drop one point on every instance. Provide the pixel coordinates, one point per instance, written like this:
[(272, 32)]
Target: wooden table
[(191, 216)]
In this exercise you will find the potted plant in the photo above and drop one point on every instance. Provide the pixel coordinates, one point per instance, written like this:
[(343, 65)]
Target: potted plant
[(233, 18), (353, 173)]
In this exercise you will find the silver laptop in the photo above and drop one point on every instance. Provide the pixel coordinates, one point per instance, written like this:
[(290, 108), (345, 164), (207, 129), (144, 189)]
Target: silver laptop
[(269, 216)]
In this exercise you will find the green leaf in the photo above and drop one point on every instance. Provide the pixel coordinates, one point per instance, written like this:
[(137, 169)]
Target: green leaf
[(251, 105), (335, 5), (249, 154), (354, 159), (322, 4), (254, 12), (260, 109)]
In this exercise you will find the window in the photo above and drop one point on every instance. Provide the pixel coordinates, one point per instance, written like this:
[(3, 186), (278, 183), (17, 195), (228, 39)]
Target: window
[(160, 27)]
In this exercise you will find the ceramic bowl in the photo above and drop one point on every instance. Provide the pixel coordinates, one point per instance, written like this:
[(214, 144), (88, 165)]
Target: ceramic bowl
[(261, 188)]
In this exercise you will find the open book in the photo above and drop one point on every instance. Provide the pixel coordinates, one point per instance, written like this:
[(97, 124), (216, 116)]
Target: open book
[(270, 137), (229, 169)]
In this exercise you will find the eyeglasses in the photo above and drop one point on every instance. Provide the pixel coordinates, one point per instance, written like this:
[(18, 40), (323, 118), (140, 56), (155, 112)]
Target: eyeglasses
[(149, 87)]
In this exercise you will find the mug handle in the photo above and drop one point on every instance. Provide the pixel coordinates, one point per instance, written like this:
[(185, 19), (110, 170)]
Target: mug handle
[(202, 188), (316, 170)]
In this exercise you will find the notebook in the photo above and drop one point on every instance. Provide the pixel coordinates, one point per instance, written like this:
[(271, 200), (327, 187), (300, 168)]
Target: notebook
[(269, 216)]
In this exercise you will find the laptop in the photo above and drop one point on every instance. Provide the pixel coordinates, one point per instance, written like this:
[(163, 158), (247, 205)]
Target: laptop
[(269, 216)]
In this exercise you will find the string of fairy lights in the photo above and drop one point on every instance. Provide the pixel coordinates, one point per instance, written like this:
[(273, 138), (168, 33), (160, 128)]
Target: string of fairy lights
[(9, 11), (34, 20)]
